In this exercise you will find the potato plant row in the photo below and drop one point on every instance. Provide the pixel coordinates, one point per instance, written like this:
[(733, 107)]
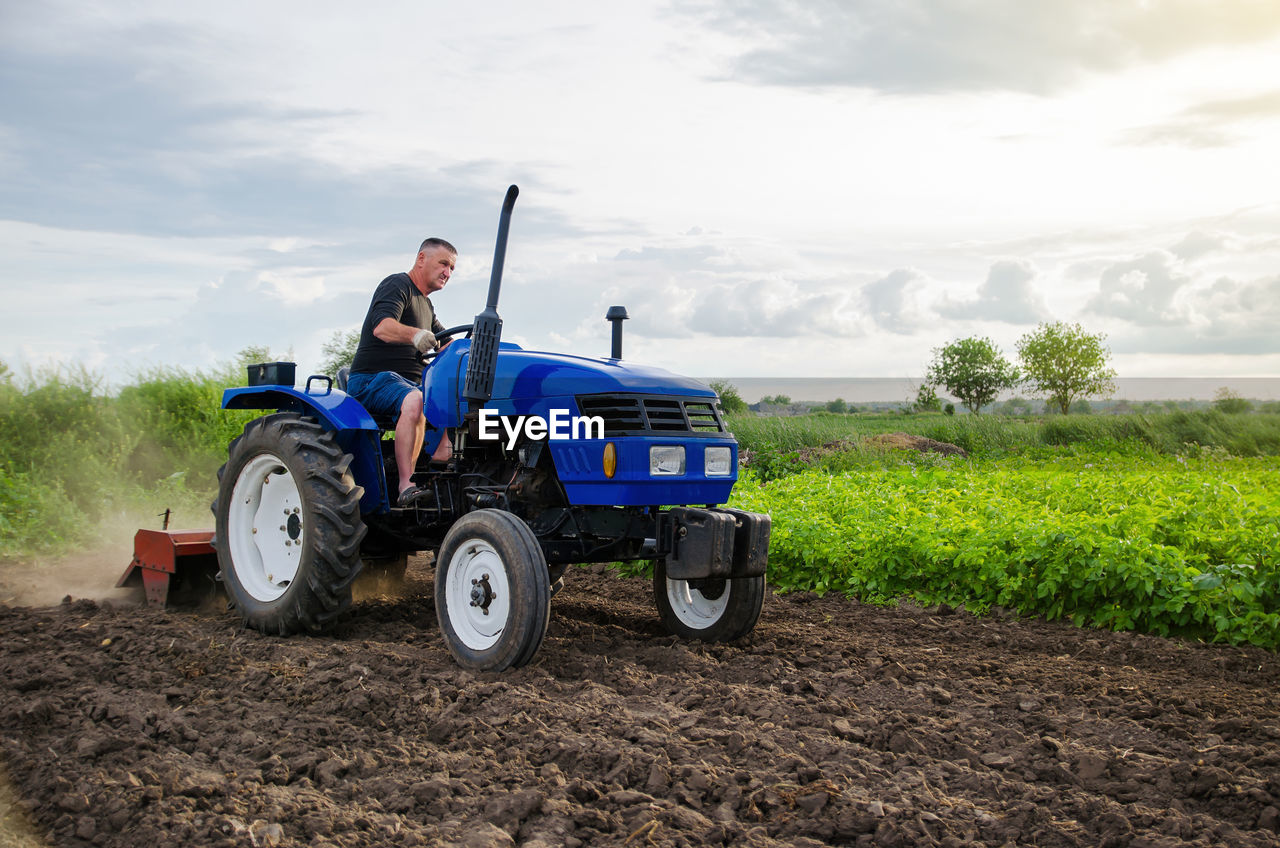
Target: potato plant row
[(1166, 545)]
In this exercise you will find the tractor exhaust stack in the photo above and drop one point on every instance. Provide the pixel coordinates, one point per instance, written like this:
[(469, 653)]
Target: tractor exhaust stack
[(615, 316), (487, 330)]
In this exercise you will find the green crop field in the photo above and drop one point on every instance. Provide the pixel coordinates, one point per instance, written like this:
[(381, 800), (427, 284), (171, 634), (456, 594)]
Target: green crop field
[(1165, 544), (1168, 523)]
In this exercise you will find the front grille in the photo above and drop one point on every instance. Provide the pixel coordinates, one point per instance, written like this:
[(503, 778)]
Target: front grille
[(632, 414)]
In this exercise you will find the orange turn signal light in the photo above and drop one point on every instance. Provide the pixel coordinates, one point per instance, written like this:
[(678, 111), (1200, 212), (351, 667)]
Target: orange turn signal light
[(610, 460)]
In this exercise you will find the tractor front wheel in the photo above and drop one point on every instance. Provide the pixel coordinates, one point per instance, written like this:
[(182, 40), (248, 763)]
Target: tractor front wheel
[(288, 525), (493, 592), (713, 610)]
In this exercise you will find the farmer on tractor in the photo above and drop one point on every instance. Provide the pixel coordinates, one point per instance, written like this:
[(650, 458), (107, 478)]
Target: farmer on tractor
[(386, 374), (307, 500)]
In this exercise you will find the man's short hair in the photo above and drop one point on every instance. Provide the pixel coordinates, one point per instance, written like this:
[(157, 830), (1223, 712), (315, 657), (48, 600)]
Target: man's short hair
[(427, 244)]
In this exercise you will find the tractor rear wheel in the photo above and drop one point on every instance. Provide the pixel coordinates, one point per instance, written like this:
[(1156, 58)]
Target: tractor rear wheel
[(493, 592), (713, 610), (288, 525)]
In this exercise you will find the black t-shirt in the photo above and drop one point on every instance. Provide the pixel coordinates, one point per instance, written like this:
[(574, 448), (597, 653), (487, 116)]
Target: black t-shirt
[(398, 298)]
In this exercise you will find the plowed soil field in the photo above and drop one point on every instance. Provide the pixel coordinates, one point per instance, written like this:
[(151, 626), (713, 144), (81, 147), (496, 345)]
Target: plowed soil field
[(835, 723)]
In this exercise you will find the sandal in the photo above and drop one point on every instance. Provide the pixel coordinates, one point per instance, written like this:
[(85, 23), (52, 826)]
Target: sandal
[(412, 495)]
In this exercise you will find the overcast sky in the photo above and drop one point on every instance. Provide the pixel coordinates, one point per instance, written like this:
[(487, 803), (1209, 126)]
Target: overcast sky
[(829, 188)]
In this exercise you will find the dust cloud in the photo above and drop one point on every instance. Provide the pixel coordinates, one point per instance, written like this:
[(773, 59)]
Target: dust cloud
[(15, 830), (36, 580)]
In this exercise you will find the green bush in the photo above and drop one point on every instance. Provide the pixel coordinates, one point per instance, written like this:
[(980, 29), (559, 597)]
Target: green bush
[(74, 459), (1229, 402), (180, 423), (730, 400), (37, 517)]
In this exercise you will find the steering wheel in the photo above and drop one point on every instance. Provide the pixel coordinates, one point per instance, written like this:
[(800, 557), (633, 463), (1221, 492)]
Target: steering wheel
[(424, 358)]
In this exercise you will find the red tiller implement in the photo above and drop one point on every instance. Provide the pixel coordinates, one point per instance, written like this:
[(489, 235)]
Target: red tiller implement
[(172, 565)]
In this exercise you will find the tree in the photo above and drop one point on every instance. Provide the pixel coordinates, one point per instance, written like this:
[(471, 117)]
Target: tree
[(1066, 363), (776, 400), (927, 399), (340, 350), (730, 401), (1225, 400), (973, 370), (838, 406)]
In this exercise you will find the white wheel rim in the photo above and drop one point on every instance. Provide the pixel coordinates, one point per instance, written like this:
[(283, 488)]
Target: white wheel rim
[(477, 594), (266, 527), (693, 609)]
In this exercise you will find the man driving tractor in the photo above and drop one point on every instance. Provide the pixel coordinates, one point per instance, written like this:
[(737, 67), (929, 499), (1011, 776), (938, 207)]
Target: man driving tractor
[(386, 374)]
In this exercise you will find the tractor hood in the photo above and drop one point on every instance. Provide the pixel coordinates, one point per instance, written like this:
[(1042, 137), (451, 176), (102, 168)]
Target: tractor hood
[(529, 374), (528, 381), (534, 374)]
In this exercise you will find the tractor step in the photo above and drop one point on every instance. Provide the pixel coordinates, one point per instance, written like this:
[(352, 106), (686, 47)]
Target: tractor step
[(164, 556)]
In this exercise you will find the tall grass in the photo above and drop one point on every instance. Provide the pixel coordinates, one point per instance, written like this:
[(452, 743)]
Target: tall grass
[(181, 425), (75, 459)]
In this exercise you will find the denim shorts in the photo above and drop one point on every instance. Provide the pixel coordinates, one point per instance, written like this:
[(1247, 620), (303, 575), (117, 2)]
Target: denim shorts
[(381, 393)]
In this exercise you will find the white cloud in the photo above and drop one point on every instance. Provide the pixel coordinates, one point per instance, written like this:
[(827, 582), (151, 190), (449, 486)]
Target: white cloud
[(967, 45), (1007, 295), (1215, 123), (1234, 316), (1198, 243), (893, 302), (1142, 290), (294, 288)]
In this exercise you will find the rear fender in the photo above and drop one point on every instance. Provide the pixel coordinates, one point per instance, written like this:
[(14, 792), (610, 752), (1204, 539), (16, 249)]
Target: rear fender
[(353, 427)]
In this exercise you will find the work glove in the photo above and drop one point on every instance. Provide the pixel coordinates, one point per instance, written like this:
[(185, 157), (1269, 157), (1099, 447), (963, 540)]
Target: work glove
[(424, 341)]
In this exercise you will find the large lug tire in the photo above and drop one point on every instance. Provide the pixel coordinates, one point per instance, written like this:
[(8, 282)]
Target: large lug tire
[(713, 610), (493, 594), (288, 525)]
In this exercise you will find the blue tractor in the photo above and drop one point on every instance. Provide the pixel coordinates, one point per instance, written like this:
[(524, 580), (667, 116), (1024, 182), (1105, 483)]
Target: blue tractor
[(557, 459)]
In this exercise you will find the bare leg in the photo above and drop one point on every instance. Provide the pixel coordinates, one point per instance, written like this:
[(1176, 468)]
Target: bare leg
[(444, 450), (410, 429)]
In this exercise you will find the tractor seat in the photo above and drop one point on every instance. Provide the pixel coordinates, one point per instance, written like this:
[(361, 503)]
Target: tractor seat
[(383, 422)]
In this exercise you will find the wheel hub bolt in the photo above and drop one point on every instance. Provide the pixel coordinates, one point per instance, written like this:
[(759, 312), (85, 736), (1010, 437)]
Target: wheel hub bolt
[(482, 593)]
